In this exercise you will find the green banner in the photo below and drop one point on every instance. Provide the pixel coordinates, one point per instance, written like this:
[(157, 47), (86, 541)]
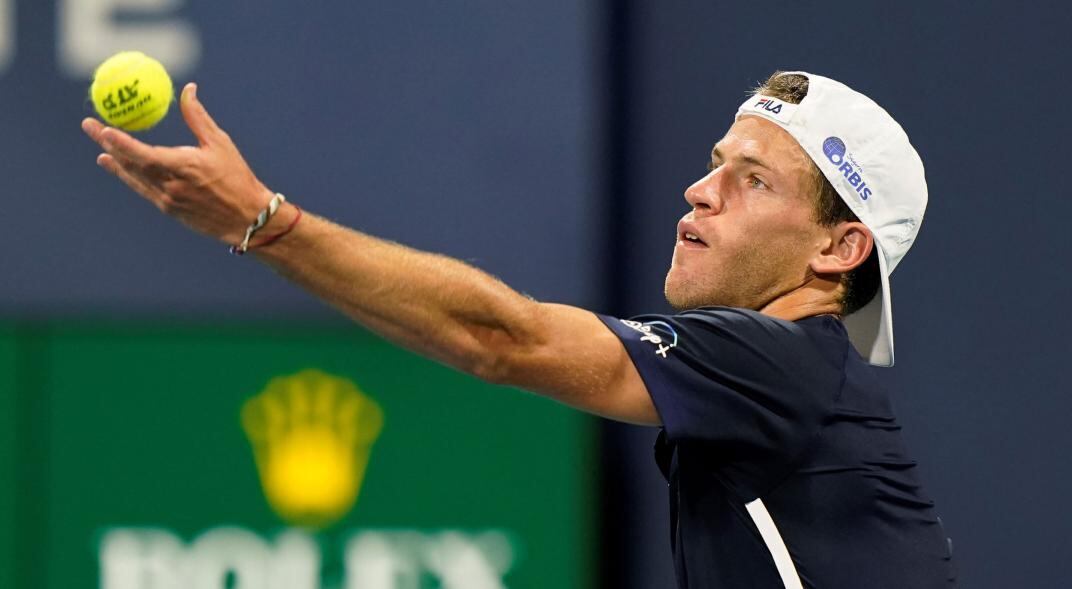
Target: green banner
[(239, 457), (8, 465)]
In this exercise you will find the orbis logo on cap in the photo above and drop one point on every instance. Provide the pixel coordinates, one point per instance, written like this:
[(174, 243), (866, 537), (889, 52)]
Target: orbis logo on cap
[(837, 153)]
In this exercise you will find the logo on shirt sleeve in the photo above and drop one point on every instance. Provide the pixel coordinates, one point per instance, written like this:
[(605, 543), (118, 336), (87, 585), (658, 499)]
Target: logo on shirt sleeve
[(663, 343)]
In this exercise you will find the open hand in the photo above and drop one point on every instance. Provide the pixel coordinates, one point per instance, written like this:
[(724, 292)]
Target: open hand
[(209, 188)]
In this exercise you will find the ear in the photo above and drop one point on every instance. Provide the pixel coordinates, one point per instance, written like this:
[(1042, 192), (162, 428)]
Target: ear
[(850, 244)]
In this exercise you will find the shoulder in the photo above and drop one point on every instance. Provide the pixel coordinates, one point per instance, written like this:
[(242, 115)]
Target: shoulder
[(732, 326), (760, 384), (737, 345)]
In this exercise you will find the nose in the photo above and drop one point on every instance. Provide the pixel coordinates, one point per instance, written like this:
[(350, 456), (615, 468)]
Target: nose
[(704, 194)]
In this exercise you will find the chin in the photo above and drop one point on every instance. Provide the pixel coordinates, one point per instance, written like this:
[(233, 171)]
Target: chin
[(677, 304), (683, 295)]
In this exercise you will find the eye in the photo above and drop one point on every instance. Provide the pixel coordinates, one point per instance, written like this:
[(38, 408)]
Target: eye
[(756, 183), (712, 165)]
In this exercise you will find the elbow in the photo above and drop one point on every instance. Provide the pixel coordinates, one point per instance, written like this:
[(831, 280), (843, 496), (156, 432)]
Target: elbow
[(499, 353), (491, 366), (501, 364), (499, 359)]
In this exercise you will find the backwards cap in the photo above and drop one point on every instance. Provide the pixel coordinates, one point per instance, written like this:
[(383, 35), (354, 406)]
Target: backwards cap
[(868, 159)]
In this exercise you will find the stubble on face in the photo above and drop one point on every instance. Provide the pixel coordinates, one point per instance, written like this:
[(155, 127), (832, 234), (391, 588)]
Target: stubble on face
[(763, 255), (756, 273)]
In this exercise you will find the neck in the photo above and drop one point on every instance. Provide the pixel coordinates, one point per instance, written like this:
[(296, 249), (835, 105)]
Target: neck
[(817, 296)]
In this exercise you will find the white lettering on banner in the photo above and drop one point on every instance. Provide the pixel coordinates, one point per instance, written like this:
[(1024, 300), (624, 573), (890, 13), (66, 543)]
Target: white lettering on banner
[(136, 558), (7, 34), (156, 559), (373, 561), (132, 559), (89, 33), (464, 562)]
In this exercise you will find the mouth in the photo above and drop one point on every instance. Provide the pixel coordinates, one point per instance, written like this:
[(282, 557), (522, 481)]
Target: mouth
[(692, 238), (688, 237)]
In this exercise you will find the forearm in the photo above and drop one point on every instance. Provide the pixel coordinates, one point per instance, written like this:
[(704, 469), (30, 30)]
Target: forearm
[(432, 304)]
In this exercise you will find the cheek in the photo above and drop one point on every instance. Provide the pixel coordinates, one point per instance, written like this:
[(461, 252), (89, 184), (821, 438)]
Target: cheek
[(783, 231)]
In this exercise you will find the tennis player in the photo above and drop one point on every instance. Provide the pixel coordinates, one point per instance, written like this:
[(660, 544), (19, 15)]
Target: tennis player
[(785, 462)]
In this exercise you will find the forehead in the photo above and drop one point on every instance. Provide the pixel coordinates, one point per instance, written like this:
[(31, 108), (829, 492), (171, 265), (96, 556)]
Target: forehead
[(757, 138)]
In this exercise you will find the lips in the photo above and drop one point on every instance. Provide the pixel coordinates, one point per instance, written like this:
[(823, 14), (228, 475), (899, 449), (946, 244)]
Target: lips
[(688, 235)]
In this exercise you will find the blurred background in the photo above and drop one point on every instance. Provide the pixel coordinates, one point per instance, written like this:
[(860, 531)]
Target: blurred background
[(165, 408)]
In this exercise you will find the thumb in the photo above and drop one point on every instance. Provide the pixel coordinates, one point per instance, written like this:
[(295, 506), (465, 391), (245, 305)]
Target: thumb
[(197, 118)]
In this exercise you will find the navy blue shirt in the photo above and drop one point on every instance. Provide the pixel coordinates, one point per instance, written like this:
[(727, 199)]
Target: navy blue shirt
[(784, 459)]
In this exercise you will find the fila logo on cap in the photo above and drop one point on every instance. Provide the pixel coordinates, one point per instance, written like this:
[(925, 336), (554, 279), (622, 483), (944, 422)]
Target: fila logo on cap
[(837, 153), (769, 105), (771, 108)]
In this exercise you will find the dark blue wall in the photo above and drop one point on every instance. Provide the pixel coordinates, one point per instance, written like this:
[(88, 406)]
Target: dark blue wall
[(982, 328), (550, 143)]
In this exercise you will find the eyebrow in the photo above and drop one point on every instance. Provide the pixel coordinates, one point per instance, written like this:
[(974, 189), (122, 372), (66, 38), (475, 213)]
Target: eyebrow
[(748, 159)]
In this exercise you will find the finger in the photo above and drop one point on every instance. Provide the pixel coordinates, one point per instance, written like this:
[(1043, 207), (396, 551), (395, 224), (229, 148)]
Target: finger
[(197, 118), (132, 179), (96, 131), (152, 173), (92, 127), (166, 161), (123, 145)]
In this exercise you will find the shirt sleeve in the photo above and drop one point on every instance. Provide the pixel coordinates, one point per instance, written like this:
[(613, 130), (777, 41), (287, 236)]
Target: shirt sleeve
[(757, 388)]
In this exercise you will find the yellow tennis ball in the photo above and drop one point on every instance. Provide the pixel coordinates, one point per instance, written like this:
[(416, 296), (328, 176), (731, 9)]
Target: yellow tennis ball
[(131, 90)]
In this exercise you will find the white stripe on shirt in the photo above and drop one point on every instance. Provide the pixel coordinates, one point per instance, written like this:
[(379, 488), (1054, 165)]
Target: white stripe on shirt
[(773, 539)]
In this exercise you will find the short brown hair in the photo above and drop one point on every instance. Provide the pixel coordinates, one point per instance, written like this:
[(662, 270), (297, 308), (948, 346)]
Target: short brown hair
[(861, 283)]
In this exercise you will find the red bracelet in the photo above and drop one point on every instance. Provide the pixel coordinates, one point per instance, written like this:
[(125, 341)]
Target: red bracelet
[(272, 238)]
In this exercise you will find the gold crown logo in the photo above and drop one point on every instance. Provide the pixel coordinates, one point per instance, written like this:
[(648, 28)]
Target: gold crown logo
[(312, 435)]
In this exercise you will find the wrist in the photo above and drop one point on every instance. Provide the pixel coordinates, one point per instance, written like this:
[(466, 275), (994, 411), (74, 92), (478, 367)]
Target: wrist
[(280, 220), (271, 238), (261, 223), (247, 214)]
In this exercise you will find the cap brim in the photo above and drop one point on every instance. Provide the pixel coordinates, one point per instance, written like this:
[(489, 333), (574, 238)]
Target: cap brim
[(871, 328)]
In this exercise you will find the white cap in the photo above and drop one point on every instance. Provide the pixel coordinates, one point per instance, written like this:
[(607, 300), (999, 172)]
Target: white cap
[(868, 159)]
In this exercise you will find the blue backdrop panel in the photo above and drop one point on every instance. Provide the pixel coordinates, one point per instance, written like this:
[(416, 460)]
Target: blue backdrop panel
[(460, 128)]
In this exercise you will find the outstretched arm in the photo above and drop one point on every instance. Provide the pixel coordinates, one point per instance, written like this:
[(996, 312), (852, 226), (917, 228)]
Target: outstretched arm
[(437, 306)]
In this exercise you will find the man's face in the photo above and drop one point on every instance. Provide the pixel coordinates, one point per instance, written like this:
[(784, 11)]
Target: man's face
[(753, 219)]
